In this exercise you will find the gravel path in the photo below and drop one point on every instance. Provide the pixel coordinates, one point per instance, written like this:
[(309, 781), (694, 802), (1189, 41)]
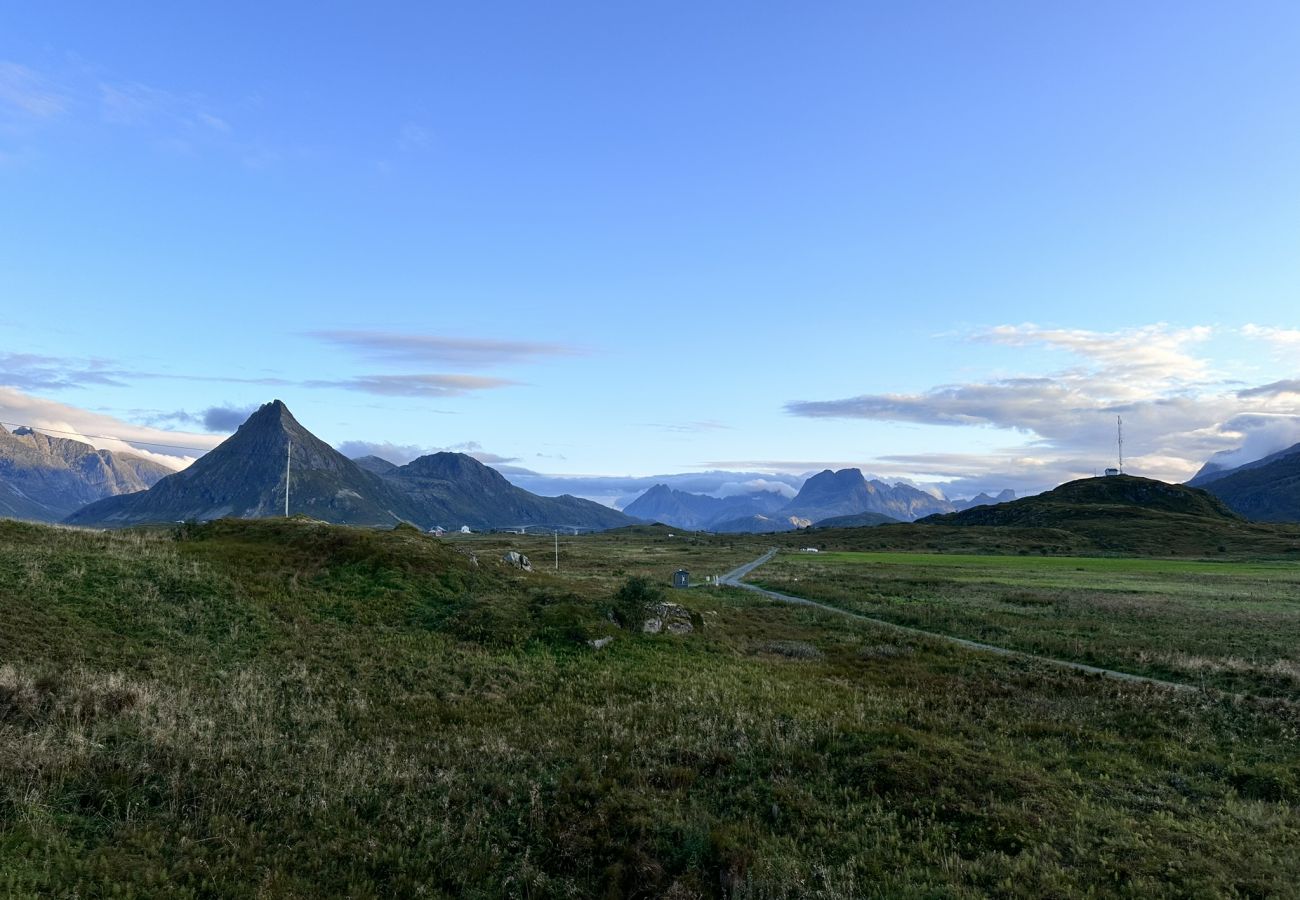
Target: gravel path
[(733, 578)]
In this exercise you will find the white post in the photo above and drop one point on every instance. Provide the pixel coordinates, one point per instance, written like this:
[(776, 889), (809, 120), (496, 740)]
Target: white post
[(557, 550), (288, 457)]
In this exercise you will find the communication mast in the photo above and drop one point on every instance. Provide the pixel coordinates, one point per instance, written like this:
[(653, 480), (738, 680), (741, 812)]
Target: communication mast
[(1119, 439)]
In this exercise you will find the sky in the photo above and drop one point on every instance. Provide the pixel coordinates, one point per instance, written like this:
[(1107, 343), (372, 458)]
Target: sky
[(593, 243)]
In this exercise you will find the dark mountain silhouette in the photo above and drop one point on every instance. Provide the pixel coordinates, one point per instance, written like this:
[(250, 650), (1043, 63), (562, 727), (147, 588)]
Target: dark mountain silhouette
[(984, 499), (847, 493), (374, 464), (244, 477), (1266, 490), (859, 520), (454, 489), (45, 478), (700, 511), (1118, 496)]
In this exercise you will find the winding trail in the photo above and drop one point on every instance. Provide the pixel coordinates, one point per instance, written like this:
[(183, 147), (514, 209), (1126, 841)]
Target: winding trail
[(733, 579)]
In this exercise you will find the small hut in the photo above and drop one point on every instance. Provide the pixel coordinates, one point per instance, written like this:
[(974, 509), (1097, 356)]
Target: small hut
[(681, 579)]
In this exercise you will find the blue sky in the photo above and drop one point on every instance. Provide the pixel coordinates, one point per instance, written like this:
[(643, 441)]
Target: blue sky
[(942, 241)]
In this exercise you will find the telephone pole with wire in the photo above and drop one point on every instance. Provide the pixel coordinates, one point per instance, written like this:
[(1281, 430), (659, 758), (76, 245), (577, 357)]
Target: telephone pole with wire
[(288, 458)]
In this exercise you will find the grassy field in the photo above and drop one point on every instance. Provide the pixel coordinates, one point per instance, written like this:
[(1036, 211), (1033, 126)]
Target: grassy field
[(279, 708), (1229, 625)]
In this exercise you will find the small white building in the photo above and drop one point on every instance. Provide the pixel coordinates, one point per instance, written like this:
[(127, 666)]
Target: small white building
[(464, 529)]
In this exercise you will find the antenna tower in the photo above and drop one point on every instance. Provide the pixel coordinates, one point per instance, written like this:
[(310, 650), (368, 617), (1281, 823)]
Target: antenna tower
[(1119, 439)]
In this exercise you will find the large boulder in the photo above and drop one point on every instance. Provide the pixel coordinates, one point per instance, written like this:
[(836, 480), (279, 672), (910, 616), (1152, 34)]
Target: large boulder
[(518, 560), (670, 617)]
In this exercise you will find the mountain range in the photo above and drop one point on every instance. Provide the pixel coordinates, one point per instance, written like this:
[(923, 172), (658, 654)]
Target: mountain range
[(701, 512), (827, 495), (245, 477), (1266, 490), (46, 478)]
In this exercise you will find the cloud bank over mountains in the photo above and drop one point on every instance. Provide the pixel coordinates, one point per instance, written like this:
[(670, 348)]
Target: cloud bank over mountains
[(1057, 414), (1178, 410)]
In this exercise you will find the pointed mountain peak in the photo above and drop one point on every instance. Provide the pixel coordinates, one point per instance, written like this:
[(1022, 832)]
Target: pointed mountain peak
[(270, 415)]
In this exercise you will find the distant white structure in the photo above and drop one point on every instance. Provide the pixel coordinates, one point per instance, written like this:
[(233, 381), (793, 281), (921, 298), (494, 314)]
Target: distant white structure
[(437, 531), (810, 550), (464, 529)]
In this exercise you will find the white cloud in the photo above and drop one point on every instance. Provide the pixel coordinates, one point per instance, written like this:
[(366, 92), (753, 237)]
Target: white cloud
[(176, 449), (1176, 415)]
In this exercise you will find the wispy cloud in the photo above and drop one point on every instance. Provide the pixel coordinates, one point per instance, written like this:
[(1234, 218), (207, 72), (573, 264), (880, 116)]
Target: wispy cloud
[(413, 137), (1273, 389), (400, 454), (413, 385), (29, 93), (1176, 413), (34, 372), (214, 418), (431, 349), (688, 427), (37, 372)]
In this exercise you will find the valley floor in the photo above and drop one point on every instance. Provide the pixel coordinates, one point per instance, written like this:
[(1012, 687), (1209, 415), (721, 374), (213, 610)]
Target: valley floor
[(281, 708)]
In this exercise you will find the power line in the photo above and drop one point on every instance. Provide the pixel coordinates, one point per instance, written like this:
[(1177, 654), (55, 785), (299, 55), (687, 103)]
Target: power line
[(105, 437)]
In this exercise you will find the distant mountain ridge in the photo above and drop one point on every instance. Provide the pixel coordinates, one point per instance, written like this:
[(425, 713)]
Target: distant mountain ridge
[(847, 492), (46, 478), (984, 499), (456, 488), (681, 509), (244, 477), (827, 495), (1265, 490)]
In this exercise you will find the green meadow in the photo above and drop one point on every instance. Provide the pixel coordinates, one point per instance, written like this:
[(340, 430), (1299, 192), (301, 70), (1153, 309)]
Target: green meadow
[(286, 709), (1233, 626)]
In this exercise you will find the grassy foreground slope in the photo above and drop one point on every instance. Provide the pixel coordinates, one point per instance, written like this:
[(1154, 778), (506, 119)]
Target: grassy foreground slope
[(279, 708)]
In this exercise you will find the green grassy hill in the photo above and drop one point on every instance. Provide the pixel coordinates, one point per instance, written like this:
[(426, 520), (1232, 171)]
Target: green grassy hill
[(1117, 515), (284, 708)]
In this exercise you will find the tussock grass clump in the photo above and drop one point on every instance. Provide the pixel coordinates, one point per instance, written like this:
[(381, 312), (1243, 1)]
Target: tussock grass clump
[(789, 649)]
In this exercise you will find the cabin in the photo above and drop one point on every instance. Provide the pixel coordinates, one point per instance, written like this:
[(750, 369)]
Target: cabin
[(681, 579)]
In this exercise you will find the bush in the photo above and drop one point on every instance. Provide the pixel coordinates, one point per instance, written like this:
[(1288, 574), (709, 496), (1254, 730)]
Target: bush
[(632, 598)]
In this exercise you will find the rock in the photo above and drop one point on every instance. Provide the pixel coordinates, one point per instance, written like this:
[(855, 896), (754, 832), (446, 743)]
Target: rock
[(670, 617), (518, 560), (601, 643)]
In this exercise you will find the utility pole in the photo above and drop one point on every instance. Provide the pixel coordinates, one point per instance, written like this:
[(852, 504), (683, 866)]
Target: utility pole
[(288, 458), (557, 550), (1119, 436)]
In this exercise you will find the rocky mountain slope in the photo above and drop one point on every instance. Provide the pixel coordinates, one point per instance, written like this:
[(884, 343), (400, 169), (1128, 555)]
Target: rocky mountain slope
[(454, 489), (45, 478), (702, 512), (244, 477), (847, 493), (1266, 490)]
